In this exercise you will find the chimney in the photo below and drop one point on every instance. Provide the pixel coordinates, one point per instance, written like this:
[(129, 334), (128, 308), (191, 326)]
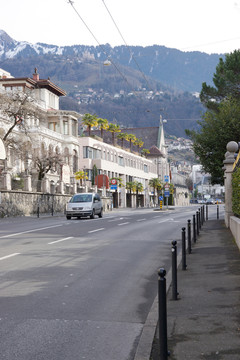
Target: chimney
[(36, 75)]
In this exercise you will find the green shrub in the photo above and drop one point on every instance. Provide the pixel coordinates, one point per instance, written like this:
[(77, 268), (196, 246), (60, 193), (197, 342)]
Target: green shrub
[(236, 192)]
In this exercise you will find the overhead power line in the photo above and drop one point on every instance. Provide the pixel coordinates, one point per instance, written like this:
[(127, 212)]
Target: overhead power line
[(101, 46), (131, 53)]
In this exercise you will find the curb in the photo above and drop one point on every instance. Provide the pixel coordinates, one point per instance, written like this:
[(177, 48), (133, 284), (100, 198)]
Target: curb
[(144, 347)]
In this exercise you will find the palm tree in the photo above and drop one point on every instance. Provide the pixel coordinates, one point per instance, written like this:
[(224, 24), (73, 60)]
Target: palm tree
[(102, 125), (89, 121), (131, 138), (156, 184), (122, 136), (144, 152), (139, 143), (138, 187), (81, 175), (113, 128), (131, 187)]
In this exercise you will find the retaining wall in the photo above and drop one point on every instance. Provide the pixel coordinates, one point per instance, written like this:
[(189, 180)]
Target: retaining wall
[(235, 229), (21, 203)]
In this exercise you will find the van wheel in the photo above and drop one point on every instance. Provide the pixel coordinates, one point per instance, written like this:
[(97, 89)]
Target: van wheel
[(92, 214), (101, 213), (68, 217)]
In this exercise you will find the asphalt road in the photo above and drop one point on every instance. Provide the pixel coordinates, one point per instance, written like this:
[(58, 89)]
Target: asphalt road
[(82, 289)]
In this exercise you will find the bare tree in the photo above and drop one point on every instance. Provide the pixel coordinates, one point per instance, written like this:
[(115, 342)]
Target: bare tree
[(16, 108), (44, 163)]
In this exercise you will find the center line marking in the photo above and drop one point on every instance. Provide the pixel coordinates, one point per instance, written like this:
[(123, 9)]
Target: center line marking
[(28, 231), (92, 231), (123, 224), (54, 242), (141, 219), (8, 256)]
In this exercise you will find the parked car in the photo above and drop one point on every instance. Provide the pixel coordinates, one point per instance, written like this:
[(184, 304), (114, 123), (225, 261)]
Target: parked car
[(84, 204), (210, 201)]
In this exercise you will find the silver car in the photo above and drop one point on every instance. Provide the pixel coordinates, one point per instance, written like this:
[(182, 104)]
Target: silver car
[(84, 204)]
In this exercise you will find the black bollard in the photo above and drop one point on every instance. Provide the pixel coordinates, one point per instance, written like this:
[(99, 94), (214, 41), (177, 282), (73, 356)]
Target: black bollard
[(184, 266), (202, 215), (217, 211), (189, 237), (38, 211), (206, 212), (174, 271), (197, 217), (162, 314), (194, 229)]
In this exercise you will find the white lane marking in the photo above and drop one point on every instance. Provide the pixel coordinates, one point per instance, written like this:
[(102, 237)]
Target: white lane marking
[(123, 224), (28, 231), (56, 241), (166, 220), (92, 231), (141, 219), (9, 256)]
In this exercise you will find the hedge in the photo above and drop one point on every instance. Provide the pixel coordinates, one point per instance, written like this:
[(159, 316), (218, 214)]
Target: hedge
[(236, 192)]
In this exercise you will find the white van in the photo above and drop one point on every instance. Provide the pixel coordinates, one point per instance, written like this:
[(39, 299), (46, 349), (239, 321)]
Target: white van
[(84, 204)]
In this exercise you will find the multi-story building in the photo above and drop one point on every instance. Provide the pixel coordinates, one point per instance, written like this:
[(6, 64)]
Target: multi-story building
[(50, 132), (115, 162)]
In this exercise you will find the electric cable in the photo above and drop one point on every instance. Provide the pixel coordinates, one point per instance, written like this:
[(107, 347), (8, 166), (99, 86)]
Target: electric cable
[(109, 57), (101, 46), (131, 53)]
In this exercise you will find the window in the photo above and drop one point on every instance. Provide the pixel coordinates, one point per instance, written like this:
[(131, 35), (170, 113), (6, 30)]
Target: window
[(74, 128), (65, 128), (120, 161), (52, 100), (91, 153), (145, 168), (54, 126)]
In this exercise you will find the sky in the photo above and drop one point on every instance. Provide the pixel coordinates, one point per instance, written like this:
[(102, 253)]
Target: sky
[(211, 26)]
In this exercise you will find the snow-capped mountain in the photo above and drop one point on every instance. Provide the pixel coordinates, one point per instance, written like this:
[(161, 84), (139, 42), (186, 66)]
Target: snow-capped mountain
[(181, 70), (10, 48)]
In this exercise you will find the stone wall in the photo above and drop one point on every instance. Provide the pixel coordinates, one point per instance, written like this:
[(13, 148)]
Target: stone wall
[(21, 203), (235, 229)]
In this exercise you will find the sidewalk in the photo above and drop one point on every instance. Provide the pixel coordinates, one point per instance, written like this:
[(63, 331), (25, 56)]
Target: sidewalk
[(205, 322)]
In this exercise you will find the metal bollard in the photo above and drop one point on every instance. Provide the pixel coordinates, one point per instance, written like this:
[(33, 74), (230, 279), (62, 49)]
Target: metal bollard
[(202, 214), (174, 271), (189, 237), (162, 314), (206, 212), (184, 266), (38, 211), (217, 211), (197, 217), (194, 229)]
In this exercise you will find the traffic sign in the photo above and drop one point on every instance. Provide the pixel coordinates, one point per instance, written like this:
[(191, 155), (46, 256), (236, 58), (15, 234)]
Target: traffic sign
[(166, 186), (166, 178), (113, 187), (161, 198), (113, 182), (166, 193)]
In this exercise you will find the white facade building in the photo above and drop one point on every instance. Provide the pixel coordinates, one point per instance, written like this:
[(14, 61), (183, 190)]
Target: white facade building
[(117, 163)]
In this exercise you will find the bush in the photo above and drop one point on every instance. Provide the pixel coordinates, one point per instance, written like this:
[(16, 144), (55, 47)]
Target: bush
[(236, 192)]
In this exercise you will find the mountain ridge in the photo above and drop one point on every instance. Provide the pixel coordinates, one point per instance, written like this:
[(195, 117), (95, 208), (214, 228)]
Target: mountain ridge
[(120, 92), (181, 70)]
